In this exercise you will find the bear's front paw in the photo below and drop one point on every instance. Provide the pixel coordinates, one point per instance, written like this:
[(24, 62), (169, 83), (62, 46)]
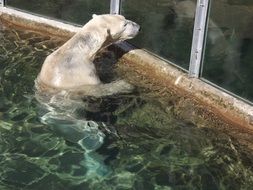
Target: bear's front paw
[(121, 86)]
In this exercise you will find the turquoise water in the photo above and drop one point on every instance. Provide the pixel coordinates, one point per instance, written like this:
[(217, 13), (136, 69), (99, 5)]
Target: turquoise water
[(128, 141)]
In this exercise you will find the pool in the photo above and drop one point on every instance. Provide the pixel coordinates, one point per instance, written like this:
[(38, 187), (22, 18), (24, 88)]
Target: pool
[(134, 141)]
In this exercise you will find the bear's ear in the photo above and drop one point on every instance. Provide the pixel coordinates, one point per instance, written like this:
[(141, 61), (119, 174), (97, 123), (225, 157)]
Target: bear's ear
[(94, 15)]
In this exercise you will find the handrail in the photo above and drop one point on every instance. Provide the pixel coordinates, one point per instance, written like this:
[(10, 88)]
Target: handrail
[(115, 6), (198, 40), (2, 3)]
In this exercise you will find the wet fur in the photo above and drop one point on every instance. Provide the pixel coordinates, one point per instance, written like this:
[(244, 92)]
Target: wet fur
[(70, 68)]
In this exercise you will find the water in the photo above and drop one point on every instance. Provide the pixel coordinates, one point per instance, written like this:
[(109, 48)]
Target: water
[(142, 145)]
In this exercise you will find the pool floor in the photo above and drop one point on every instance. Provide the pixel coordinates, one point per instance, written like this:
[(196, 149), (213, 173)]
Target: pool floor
[(142, 144)]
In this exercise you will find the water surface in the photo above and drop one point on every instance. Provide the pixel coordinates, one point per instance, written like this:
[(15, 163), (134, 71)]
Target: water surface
[(144, 145)]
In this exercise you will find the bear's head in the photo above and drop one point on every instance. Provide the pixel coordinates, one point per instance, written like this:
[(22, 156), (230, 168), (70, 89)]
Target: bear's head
[(117, 27)]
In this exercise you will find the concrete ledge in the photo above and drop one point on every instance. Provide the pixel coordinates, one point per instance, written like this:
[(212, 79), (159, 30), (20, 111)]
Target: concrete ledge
[(200, 96)]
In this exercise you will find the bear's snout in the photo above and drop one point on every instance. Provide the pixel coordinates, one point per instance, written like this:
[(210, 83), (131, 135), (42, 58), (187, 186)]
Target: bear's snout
[(137, 26)]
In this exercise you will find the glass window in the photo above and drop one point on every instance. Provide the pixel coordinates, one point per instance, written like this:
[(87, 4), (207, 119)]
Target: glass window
[(228, 60), (75, 11), (167, 27)]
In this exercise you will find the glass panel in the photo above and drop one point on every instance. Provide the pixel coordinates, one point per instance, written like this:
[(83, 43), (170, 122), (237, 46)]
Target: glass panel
[(167, 27), (228, 59), (76, 11)]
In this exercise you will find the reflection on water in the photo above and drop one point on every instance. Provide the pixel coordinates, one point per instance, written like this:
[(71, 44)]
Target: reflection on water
[(143, 145)]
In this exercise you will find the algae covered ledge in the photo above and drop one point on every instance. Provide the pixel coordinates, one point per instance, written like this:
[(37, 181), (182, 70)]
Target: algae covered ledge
[(193, 99), (206, 100)]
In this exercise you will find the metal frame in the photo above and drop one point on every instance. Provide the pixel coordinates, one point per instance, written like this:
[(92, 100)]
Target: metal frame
[(198, 40), (115, 6), (2, 3)]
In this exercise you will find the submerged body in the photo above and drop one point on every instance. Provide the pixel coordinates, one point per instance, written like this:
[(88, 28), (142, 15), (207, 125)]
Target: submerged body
[(71, 66)]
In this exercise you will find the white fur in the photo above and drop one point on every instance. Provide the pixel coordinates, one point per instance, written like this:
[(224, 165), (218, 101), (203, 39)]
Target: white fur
[(71, 66)]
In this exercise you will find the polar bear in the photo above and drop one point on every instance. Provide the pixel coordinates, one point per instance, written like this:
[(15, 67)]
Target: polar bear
[(69, 74), (71, 66)]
